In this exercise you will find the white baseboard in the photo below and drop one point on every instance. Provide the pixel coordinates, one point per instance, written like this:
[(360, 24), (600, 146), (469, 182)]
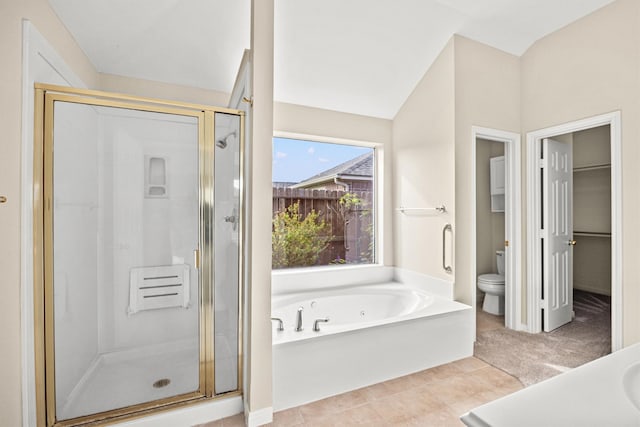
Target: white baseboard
[(258, 418)]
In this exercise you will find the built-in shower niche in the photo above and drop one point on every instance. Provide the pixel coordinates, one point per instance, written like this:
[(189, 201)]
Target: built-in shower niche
[(155, 175)]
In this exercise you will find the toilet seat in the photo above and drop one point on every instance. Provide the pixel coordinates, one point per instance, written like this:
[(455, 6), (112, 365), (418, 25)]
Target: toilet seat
[(492, 285), (491, 279)]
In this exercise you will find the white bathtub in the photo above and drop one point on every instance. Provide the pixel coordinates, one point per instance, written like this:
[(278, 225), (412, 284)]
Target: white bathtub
[(375, 333)]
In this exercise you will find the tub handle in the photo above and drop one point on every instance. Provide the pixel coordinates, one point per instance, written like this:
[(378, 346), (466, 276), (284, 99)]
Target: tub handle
[(316, 324), (446, 228), (280, 323)]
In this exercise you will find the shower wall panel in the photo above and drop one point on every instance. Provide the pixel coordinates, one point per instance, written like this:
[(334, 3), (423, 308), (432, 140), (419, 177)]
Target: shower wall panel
[(227, 249), (75, 207), (141, 231)]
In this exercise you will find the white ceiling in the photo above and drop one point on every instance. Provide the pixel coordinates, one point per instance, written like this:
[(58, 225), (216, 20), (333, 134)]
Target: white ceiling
[(357, 56)]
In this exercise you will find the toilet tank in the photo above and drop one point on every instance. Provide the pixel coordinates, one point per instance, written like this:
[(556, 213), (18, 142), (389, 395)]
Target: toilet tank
[(500, 261)]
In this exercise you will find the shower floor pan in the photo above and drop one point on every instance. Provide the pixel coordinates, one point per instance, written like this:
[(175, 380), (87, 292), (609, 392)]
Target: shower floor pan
[(120, 379)]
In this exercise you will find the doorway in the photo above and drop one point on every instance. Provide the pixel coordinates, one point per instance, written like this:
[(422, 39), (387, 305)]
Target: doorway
[(589, 245), (490, 230), (499, 212)]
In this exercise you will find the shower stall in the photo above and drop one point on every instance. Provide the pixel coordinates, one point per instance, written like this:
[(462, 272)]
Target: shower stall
[(138, 254)]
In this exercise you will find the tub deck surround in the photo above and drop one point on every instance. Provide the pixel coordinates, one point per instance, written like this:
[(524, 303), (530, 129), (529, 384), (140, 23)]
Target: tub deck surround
[(598, 393), (376, 332), (351, 308)]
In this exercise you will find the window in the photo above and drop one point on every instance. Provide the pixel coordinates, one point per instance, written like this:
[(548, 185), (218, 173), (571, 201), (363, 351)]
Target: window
[(323, 204)]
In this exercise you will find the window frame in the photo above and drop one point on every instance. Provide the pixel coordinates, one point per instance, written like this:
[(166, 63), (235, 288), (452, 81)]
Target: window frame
[(378, 204)]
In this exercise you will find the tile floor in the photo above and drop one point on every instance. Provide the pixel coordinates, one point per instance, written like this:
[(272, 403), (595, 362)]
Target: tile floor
[(435, 397)]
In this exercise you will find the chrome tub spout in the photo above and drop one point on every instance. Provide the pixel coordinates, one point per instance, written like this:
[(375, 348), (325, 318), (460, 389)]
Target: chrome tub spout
[(280, 323), (316, 324)]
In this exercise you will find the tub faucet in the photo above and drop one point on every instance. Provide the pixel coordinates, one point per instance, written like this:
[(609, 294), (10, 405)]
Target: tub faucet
[(299, 320), (280, 323), (316, 324)]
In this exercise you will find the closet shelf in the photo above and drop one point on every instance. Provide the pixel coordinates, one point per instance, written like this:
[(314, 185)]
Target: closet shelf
[(592, 167), (591, 234)]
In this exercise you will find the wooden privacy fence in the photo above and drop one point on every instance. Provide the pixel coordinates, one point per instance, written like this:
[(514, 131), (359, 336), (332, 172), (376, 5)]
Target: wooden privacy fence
[(351, 230)]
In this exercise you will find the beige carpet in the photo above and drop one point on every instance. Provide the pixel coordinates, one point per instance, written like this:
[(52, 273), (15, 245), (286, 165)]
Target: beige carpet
[(535, 357)]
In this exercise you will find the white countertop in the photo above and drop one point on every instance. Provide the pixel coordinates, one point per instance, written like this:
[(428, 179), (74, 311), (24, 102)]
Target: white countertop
[(590, 395)]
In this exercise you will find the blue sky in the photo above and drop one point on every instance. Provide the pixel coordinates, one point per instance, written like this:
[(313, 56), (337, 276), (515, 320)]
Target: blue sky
[(295, 160)]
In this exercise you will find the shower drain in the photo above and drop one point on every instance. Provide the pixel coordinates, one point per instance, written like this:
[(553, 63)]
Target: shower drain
[(161, 383)]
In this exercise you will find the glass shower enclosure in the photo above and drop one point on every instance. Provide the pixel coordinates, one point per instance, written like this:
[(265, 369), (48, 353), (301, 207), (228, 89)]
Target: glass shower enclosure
[(138, 254)]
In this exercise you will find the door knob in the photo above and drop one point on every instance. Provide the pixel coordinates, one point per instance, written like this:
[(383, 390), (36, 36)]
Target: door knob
[(3, 199), (572, 242)]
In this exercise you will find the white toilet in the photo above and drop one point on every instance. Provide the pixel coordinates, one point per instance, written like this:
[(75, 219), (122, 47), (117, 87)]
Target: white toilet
[(493, 287)]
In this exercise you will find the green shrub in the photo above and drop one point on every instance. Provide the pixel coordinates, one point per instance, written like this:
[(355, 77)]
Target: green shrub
[(297, 241)]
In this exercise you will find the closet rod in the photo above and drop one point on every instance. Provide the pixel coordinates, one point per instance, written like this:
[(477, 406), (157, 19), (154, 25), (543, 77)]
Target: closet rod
[(592, 167), (591, 234)]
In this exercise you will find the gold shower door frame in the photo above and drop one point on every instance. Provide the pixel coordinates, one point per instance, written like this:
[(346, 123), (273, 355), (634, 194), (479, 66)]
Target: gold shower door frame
[(45, 97)]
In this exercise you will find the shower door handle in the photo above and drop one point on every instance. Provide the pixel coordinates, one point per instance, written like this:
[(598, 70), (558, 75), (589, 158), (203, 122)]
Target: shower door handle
[(233, 218), (446, 228)]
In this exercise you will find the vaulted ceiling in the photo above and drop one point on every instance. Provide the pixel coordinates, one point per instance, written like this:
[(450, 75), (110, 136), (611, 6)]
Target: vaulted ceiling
[(357, 56)]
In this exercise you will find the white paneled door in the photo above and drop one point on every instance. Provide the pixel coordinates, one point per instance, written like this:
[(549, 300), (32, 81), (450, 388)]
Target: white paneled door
[(557, 184)]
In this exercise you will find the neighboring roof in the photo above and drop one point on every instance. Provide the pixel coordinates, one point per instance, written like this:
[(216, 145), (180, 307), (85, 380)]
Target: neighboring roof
[(359, 167)]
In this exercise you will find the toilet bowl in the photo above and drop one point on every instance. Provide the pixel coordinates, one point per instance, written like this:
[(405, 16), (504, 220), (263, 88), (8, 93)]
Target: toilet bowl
[(493, 287)]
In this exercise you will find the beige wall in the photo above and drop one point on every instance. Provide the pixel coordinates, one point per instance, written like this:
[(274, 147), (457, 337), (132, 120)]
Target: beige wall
[(315, 121), (423, 168), (487, 94), (469, 84), (489, 225), (589, 68), (258, 397), (152, 89), (11, 15)]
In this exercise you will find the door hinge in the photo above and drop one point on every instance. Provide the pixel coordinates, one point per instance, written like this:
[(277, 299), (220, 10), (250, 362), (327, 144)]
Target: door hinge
[(543, 304), (542, 233), (248, 100), (542, 163), (196, 258)]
